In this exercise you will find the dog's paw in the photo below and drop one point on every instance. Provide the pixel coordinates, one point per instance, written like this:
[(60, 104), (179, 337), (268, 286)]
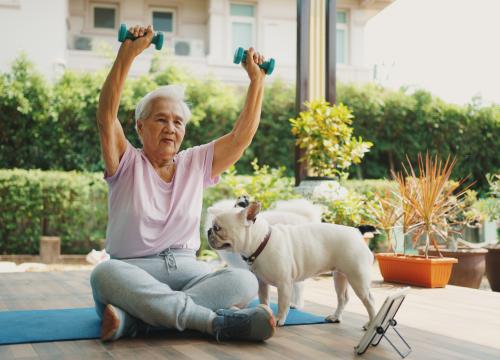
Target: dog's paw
[(296, 306), (365, 326), (280, 322), (333, 318), (299, 305)]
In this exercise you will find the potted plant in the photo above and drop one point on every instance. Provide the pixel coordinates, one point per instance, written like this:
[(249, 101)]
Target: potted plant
[(463, 220), (425, 202), (325, 134), (490, 207)]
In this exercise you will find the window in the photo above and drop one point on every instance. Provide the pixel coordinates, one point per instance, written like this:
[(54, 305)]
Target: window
[(104, 16), (242, 10), (163, 20), (342, 38), (242, 25)]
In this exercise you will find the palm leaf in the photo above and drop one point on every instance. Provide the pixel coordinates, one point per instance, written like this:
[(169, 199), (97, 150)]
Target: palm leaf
[(428, 196)]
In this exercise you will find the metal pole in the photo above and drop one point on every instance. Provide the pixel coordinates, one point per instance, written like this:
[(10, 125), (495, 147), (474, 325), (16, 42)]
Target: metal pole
[(331, 38), (302, 81)]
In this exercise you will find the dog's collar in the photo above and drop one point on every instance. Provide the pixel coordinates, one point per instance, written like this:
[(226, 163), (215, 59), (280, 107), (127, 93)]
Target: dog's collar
[(250, 260)]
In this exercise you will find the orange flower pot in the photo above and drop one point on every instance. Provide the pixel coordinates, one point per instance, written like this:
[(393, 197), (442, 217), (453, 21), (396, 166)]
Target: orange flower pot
[(433, 272)]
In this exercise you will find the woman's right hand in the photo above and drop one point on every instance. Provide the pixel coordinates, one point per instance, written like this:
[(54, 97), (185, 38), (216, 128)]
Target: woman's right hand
[(144, 36)]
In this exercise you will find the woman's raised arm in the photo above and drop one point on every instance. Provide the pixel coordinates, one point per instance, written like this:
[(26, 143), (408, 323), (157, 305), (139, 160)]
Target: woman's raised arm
[(230, 147), (113, 141)]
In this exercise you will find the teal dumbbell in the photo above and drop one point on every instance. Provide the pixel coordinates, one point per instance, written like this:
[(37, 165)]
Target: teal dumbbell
[(241, 54), (124, 34)]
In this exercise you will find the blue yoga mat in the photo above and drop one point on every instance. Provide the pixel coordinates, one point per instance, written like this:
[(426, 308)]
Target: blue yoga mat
[(30, 326), (295, 317), (17, 327)]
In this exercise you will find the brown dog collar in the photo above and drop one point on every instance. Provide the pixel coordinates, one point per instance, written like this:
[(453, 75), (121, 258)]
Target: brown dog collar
[(251, 259)]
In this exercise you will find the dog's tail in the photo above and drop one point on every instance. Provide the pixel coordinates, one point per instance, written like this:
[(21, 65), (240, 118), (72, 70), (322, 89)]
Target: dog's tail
[(301, 207), (364, 229), (368, 232)]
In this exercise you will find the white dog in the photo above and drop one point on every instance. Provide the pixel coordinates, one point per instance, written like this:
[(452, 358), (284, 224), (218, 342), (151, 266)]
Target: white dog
[(294, 211), (282, 254)]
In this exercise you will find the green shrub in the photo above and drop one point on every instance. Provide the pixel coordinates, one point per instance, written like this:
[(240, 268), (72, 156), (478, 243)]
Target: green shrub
[(266, 185), (73, 205), (370, 188), (358, 205), (273, 144), (75, 208), (54, 126), (215, 107), (351, 210), (71, 138), (489, 207), (21, 210), (24, 116), (401, 124), (34, 203), (325, 134)]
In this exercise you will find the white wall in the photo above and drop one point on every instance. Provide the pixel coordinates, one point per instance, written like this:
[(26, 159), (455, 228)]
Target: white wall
[(357, 19), (278, 30), (206, 20), (37, 28)]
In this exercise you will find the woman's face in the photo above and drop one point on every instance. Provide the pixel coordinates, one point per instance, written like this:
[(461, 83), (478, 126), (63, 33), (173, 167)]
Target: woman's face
[(163, 130)]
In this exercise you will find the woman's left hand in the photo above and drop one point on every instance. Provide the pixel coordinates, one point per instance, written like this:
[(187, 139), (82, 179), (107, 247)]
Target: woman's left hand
[(251, 65)]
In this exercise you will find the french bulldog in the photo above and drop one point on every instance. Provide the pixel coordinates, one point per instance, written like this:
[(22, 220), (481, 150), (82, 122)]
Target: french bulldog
[(293, 211), (280, 255)]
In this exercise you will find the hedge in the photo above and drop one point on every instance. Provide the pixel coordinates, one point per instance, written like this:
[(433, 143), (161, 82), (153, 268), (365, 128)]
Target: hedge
[(73, 205), (53, 127), (401, 124)]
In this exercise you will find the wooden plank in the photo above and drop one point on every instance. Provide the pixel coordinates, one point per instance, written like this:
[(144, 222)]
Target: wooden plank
[(193, 352), (300, 349), (250, 351), (450, 323), (167, 352), (21, 351), (47, 350)]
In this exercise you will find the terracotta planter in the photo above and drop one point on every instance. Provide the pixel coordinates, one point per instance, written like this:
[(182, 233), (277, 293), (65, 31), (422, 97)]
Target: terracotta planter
[(493, 267), (433, 272), (470, 268)]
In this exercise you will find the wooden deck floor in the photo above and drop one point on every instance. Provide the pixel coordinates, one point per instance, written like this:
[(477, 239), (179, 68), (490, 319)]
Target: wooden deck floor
[(450, 323)]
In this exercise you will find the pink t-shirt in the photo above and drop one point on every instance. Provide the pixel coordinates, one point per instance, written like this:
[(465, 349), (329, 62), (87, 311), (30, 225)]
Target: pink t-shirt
[(147, 215)]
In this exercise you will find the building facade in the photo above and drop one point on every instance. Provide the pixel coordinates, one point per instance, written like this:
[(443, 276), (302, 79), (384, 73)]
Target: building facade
[(200, 35)]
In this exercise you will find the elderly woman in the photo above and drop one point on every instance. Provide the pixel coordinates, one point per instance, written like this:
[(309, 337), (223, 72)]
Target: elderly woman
[(155, 202)]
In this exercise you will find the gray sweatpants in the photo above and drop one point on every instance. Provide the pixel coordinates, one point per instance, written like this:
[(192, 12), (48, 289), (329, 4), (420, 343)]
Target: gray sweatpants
[(172, 289)]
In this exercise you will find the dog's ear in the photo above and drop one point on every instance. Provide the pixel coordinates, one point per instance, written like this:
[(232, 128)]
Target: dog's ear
[(243, 201), (252, 210)]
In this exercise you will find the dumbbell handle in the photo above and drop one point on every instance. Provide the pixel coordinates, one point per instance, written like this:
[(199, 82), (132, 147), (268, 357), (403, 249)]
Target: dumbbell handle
[(240, 55), (124, 34)]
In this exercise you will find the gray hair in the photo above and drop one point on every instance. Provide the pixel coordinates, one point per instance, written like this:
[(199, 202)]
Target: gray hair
[(174, 93)]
